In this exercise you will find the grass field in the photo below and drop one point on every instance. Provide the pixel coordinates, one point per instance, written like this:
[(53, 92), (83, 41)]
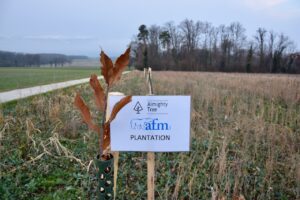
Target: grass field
[(16, 78), (245, 141)]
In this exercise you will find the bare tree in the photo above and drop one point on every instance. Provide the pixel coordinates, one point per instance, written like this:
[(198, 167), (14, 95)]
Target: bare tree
[(153, 46), (205, 45), (260, 38), (238, 40), (191, 32), (249, 60), (175, 44), (282, 45), (175, 36), (271, 44), (200, 46), (213, 46), (225, 46)]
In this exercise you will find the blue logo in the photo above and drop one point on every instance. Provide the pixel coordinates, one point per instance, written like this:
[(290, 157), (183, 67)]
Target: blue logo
[(149, 124)]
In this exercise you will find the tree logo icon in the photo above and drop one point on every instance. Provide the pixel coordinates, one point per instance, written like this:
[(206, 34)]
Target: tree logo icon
[(138, 107)]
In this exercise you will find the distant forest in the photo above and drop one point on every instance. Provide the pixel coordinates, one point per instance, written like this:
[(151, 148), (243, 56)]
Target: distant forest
[(200, 46), (11, 59)]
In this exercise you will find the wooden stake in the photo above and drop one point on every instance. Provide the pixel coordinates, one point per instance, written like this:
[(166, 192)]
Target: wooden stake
[(116, 153), (116, 168), (145, 72), (150, 174), (150, 155)]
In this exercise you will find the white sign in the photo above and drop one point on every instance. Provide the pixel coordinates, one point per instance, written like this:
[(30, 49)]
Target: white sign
[(152, 123)]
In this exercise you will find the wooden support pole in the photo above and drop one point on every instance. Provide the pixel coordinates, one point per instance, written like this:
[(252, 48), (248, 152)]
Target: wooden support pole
[(150, 174), (150, 155), (116, 153), (116, 168)]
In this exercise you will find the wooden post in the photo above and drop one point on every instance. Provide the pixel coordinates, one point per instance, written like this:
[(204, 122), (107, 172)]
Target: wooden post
[(145, 72), (150, 174), (116, 153), (150, 155)]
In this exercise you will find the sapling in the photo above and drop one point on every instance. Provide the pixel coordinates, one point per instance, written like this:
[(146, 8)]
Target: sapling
[(112, 74)]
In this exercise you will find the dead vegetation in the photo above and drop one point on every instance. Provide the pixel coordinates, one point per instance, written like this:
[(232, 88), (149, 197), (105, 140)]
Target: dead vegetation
[(245, 142)]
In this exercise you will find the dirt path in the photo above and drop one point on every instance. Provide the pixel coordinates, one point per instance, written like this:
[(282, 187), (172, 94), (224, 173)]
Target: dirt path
[(26, 92)]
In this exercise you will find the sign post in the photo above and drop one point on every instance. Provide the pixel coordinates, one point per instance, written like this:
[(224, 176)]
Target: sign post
[(116, 154), (150, 155), (150, 175), (152, 124)]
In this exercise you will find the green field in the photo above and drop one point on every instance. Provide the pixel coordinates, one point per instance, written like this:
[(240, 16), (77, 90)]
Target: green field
[(245, 136), (16, 78)]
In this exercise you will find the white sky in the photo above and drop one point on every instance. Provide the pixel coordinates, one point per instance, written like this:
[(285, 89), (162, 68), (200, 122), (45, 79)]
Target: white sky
[(82, 27)]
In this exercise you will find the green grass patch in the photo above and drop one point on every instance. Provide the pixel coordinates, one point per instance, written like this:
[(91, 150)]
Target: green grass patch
[(17, 77)]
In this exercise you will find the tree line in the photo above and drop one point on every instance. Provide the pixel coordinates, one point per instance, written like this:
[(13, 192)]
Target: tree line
[(12, 59), (200, 46)]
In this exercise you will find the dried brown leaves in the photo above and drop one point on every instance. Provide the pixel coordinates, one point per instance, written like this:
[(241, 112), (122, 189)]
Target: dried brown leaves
[(85, 113), (112, 73), (98, 92), (124, 101), (121, 64), (107, 67)]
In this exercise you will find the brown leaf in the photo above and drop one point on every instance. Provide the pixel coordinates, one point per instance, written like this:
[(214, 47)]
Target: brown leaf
[(119, 106), (85, 113), (120, 65), (107, 67), (98, 92)]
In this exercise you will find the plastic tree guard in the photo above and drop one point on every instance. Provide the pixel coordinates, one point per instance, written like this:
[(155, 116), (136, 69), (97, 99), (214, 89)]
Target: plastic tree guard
[(105, 178)]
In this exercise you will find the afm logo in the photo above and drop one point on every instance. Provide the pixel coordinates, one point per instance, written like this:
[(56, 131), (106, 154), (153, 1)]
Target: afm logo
[(149, 124)]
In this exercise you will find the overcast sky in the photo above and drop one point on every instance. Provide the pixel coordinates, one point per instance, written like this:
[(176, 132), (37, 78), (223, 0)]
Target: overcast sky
[(82, 27)]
